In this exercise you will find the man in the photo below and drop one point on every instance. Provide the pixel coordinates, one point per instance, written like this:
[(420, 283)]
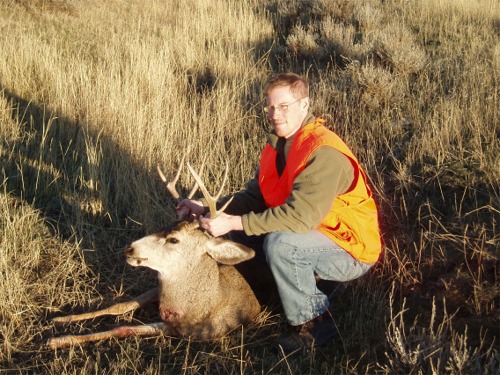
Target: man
[(308, 208)]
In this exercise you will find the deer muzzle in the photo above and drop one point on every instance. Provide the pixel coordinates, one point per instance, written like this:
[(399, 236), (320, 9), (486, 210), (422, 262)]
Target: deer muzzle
[(131, 259)]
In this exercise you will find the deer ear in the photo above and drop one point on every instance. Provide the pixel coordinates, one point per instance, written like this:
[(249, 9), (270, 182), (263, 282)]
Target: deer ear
[(228, 252)]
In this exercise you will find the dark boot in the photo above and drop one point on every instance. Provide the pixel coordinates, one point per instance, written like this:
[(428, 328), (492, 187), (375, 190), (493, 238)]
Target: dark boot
[(305, 337)]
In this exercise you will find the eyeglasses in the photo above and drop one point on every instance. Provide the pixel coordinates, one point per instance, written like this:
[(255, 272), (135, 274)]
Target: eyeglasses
[(281, 107)]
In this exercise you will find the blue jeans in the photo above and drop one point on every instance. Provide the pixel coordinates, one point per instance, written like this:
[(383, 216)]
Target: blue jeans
[(295, 259)]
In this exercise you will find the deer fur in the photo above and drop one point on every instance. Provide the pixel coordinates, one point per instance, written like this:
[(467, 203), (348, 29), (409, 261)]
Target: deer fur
[(200, 293)]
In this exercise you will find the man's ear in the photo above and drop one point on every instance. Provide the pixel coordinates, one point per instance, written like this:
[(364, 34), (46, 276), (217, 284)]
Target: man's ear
[(305, 103)]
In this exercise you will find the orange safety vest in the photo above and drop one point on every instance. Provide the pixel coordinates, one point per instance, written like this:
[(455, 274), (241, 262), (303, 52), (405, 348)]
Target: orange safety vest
[(352, 222)]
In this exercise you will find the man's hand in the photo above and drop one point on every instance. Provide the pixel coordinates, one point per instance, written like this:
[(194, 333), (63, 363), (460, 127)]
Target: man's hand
[(189, 209), (222, 224)]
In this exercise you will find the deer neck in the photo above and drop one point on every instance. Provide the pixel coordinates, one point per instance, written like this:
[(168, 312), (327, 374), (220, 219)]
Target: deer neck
[(177, 294)]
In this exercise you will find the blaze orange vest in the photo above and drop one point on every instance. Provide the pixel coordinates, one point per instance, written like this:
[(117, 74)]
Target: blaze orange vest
[(352, 221)]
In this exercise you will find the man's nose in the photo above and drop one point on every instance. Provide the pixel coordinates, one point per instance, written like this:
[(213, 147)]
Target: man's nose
[(274, 113)]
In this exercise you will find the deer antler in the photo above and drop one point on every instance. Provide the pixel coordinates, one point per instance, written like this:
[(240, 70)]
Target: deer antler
[(171, 184), (210, 199)]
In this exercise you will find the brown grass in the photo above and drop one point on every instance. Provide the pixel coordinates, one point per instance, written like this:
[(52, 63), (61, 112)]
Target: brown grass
[(93, 95)]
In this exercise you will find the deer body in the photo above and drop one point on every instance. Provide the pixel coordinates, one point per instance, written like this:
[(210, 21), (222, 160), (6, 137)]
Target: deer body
[(199, 297), (200, 293)]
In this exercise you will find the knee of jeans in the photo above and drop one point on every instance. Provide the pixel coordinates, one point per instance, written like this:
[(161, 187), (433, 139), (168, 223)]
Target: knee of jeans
[(275, 247)]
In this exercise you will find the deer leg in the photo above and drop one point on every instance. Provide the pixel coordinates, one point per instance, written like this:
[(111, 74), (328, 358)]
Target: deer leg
[(117, 309), (119, 332)]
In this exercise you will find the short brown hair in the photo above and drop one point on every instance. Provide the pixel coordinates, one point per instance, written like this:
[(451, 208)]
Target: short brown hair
[(298, 85)]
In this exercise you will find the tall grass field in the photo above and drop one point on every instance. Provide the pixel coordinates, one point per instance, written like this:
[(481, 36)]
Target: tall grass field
[(94, 95)]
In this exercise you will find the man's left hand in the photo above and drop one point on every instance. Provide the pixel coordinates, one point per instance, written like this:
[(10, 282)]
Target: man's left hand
[(221, 225)]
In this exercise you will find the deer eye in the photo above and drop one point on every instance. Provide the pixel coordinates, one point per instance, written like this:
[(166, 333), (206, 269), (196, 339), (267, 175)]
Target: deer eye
[(172, 240)]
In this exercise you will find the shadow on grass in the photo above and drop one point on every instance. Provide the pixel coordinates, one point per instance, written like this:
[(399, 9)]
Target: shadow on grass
[(67, 171)]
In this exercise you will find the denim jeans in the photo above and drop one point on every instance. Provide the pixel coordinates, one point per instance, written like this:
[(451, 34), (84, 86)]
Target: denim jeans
[(295, 259)]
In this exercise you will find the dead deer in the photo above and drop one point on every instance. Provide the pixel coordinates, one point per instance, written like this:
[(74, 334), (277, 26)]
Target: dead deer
[(200, 293)]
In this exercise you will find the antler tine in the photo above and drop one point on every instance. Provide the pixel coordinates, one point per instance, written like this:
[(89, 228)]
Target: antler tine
[(171, 184), (196, 185), (226, 172), (224, 180), (212, 201), (218, 212)]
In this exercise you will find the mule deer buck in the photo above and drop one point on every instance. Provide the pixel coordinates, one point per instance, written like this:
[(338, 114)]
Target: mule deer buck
[(200, 293)]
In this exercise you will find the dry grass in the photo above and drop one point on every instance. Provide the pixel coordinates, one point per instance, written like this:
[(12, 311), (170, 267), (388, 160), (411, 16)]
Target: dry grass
[(94, 95)]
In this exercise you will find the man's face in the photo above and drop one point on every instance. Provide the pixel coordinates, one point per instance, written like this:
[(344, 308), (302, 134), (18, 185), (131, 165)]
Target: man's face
[(286, 112)]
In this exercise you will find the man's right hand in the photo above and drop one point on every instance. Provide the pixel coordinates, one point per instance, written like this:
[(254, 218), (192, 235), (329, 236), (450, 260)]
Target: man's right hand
[(189, 209)]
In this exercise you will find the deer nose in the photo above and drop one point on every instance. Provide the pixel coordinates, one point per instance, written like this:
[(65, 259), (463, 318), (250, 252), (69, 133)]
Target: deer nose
[(128, 250)]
